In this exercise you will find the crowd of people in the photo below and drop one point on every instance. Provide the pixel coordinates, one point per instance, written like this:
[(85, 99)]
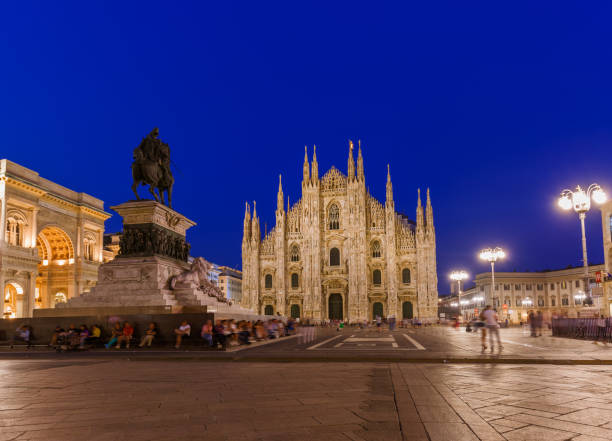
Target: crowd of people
[(220, 334), (226, 333)]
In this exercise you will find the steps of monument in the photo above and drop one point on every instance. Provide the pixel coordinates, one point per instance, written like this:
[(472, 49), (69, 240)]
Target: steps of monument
[(134, 298)]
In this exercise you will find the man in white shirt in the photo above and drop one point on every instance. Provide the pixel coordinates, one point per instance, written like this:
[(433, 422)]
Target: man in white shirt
[(601, 329), (491, 322), (183, 330)]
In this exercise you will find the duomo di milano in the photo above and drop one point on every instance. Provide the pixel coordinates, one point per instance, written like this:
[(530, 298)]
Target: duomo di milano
[(338, 253)]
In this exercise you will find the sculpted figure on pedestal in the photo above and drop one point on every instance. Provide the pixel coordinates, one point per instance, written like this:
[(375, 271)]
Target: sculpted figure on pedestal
[(151, 167), (196, 277)]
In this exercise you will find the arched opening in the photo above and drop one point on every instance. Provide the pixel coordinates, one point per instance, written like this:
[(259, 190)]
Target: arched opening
[(377, 310), (333, 217), (406, 276), (334, 257), (295, 311), (295, 280), (56, 253), (9, 305), (376, 249), (60, 297), (407, 310), (268, 310), (55, 247), (268, 281), (376, 277), (335, 307), (295, 253)]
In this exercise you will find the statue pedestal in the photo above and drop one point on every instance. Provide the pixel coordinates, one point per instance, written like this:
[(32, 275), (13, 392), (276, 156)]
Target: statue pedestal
[(152, 249)]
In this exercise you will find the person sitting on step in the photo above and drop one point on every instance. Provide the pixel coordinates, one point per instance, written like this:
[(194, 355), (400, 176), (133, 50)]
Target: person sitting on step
[(182, 331), (150, 334), (126, 336)]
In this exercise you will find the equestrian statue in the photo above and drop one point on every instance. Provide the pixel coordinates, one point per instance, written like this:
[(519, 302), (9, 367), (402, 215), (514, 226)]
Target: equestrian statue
[(151, 167)]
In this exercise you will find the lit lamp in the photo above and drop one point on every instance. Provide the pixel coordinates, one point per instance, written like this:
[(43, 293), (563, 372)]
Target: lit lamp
[(458, 276), (580, 201), (580, 296), (491, 255), (527, 302)]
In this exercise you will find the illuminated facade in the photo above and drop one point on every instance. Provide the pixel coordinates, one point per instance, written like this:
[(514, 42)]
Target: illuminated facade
[(52, 241), (338, 253), (559, 292)]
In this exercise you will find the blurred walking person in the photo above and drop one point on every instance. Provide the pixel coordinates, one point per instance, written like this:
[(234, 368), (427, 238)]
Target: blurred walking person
[(601, 329), (379, 323), (492, 325), (483, 331), (539, 318)]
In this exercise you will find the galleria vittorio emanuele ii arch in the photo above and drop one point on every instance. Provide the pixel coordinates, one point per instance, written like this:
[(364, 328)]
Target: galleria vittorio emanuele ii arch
[(52, 241)]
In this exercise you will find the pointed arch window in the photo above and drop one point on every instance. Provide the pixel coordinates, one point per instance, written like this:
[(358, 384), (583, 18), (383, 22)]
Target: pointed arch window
[(406, 276), (295, 253), (376, 249), (333, 216), (295, 280), (268, 281), (377, 277), (334, 257)]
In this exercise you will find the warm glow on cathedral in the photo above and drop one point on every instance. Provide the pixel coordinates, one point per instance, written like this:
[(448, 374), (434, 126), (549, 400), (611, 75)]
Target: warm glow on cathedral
[(338, 253)]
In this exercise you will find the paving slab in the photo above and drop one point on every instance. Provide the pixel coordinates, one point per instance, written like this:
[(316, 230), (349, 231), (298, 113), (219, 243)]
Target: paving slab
[(251, 400)]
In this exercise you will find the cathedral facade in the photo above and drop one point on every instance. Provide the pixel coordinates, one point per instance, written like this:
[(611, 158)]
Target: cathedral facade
[(338, 253)]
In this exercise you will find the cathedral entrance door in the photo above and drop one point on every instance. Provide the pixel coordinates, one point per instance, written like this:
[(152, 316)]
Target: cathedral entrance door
[(377, 310), (407, 310), (335, 307), (295, 311)]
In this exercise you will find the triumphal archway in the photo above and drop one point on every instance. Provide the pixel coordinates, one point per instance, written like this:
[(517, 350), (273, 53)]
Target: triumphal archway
[(51, 243)]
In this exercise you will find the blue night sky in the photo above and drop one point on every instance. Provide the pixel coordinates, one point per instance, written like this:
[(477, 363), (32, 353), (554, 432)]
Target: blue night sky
[(496, 107)]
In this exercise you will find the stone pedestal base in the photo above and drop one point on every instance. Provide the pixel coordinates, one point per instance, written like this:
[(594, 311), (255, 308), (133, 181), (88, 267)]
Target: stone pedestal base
[(131, 282), (152, 251), (139, 285)]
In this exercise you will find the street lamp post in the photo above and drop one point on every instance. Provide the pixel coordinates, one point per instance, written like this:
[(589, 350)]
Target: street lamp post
[(459, 276), (580, 201), (491, 255)]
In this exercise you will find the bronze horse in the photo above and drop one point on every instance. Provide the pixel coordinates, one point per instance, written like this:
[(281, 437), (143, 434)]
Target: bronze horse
[(150, 167)]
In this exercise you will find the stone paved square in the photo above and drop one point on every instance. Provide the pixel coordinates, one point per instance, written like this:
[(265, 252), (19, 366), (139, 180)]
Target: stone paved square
[(223, 400)]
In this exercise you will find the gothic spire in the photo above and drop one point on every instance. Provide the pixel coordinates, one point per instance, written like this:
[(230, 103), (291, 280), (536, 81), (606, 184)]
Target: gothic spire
[(306, 166), (255, 231), (389, 186), (351, 162), (279, 198), (429, 213), (419, 212), (360, 174), (315, 166)]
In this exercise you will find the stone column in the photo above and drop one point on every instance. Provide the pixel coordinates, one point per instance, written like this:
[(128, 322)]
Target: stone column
[(30, 294), (34, 228), (101, 246)]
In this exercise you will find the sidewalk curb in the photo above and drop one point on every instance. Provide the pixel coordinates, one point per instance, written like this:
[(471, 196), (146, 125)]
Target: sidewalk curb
[(233, 357)]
